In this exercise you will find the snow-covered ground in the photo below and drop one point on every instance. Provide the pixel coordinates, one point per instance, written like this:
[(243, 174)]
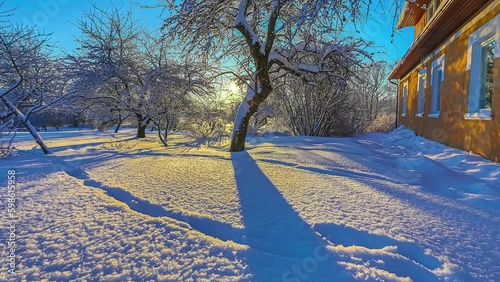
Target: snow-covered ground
[(388, 207)]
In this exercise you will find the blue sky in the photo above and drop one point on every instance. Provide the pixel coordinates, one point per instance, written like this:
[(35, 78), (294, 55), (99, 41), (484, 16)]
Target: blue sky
[(58, 17)]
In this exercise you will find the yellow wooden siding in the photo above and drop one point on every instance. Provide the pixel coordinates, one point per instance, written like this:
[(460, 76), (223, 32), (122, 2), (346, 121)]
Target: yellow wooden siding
[(479, 136)]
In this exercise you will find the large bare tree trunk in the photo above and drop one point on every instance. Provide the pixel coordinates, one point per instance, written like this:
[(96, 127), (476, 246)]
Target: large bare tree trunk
[(142, 124), (141, 131), (245, 112), (27, 124), (247, 108)]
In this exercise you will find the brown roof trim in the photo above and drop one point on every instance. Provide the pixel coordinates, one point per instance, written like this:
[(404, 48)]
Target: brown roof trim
[(450, 18)]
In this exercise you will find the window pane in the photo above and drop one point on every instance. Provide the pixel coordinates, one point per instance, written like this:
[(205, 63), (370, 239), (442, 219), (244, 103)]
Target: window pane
[(431, 8), (405, 99), (437, 91), (421, 91), (488, 52), (430, 11)]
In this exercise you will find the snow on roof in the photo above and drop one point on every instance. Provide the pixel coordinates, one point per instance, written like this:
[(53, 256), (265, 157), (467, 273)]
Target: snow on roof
[(412, 12)]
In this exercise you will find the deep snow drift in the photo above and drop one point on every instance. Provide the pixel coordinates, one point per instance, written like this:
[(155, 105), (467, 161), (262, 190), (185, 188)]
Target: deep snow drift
[(389, 207)]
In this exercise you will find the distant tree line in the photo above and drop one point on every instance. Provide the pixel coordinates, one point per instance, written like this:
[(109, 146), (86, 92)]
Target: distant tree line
[(290, 76)]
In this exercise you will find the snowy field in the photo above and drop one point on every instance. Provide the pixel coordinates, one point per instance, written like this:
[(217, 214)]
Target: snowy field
[(386, 207)]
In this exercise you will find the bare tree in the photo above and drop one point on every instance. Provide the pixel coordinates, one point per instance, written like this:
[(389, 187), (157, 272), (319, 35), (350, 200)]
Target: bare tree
[(311, 108), (108, 66), (167, 102), (30, 79), (366, 92), (173, 82), (266, 37), (132, 71)]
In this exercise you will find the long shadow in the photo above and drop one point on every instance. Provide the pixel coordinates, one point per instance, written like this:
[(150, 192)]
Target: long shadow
[(274, 230), (403, 267), (443, 184), (315, 144), (83, 145), (435, 178), (436, 199), (214, 228), (331, 171)]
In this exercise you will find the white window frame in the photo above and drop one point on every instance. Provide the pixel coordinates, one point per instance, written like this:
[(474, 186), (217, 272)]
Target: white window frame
[(431, 7), (405, 99), (485, 35), (422, 77), (437, 65)]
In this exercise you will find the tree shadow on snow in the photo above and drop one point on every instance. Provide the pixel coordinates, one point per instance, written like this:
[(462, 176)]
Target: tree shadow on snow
[(283, 246), (405, 259)]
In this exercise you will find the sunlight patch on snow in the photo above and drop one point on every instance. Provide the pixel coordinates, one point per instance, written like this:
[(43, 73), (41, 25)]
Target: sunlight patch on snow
[(363, 272), (447, 269), (188, 184)]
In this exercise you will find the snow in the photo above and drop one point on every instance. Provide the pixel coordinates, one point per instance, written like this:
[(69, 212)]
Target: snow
[(242, 20), (244, 108), (333, 48), (309, 68), (383, 207), (281, 57), (276, 57), (482, 115)]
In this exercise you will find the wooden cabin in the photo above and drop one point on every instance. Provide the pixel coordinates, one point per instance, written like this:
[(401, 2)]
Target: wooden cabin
[(449, 80)]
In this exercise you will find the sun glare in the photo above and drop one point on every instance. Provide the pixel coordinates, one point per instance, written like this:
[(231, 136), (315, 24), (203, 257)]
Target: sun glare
[(233, 87)]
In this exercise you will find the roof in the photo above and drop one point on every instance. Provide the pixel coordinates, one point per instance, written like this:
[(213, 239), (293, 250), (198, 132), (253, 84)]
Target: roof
[(450, 18), (411, 13)]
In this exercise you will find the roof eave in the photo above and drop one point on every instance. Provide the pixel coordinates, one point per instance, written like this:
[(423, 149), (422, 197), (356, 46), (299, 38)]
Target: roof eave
[(423, 45)]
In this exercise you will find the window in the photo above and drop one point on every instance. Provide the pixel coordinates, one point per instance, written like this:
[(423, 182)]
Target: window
[(405, 98), (421, 92), (486, 80), (437, 77), (432, 8), (484, 48)]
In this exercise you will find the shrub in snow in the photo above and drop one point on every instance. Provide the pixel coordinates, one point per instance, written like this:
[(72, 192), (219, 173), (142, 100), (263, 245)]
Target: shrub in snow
[(207, 126), (353, 100), (369, 105), (385, 122), (112, 144), (309, 108)]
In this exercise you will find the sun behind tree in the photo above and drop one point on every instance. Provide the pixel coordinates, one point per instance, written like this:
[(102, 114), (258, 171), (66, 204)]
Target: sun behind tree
[(269, 39)]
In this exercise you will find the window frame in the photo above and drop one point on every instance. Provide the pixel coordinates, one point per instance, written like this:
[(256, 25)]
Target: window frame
[(488, 33), (438, 66), (422, 77), (405, 99), (482, 68), (432, 6)]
